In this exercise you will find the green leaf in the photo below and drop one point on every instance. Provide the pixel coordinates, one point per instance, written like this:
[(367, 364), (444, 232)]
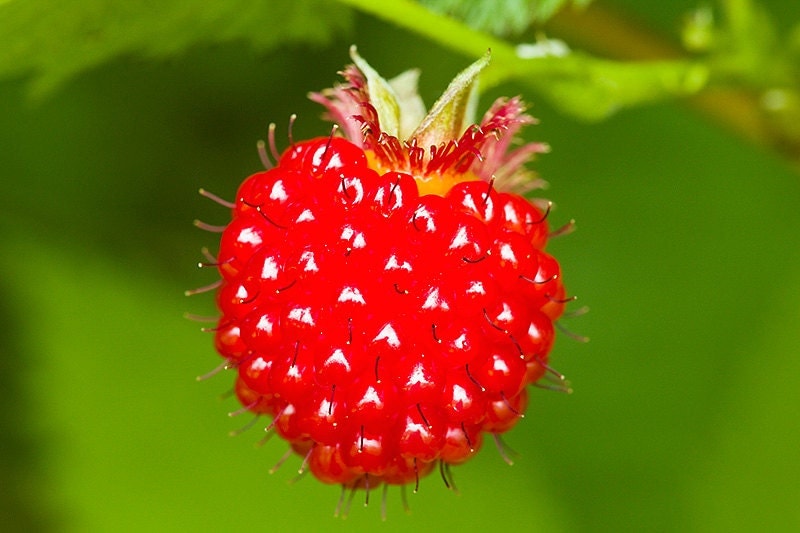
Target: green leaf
[(503, 17), (544, 9), (55, 41)]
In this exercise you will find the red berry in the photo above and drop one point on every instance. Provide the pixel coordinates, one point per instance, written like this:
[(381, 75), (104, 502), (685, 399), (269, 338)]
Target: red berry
[(461, 442), (421, 435), (324, 416), (327, 465), (367, 449), (228, 340), (503, 412), (373, 403), (254, 374), (500, 370), (255, 402), (464, 399), (385, 302)]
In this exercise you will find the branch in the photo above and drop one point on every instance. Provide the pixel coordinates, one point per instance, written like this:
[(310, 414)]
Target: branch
[(578, 84)]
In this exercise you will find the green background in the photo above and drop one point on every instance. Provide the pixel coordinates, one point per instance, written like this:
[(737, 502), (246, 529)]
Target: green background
[(684, 415)]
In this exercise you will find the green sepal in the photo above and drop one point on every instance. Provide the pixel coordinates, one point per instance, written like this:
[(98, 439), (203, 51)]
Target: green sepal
[(401, 112), (454, 111), (381, 95), (412, 108)]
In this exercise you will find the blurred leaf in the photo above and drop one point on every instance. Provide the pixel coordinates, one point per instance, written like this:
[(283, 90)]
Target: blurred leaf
[(503, 17), (579, 84), (21, 472), (743, 45), (544, 9), (753, 462), (593, 89), (55, 43)]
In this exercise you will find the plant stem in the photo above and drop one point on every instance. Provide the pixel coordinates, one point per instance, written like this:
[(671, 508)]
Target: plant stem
[(638, 66), (613, 34)]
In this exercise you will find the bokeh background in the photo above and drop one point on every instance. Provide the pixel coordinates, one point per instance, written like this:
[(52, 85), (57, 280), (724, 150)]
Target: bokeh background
[(684, 415)]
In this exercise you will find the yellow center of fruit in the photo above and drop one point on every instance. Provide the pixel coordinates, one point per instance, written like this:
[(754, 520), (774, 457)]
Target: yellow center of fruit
[(437, 183)]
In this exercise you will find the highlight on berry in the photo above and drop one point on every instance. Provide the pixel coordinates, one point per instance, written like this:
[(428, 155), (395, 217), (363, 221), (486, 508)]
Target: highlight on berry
[(385, 295)]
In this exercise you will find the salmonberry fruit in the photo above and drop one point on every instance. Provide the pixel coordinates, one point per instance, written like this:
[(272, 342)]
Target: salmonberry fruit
[(385, 296)]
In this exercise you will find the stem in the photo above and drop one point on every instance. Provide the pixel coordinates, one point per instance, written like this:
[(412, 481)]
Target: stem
[(641, 66), (612, 34), (578, 84)]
